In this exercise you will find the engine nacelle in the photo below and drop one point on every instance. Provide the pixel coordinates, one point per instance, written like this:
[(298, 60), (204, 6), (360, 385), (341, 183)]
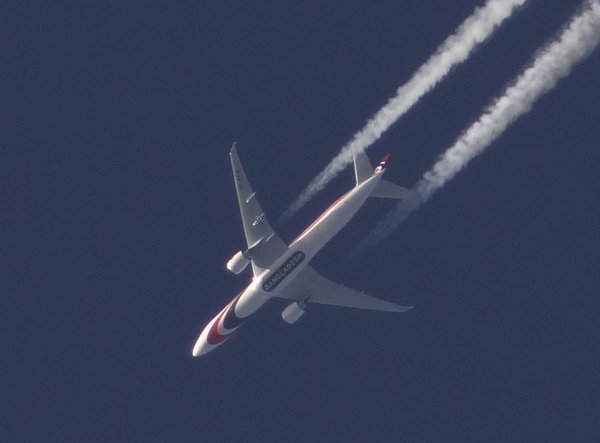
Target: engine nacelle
[(293, 312), (238, 262)]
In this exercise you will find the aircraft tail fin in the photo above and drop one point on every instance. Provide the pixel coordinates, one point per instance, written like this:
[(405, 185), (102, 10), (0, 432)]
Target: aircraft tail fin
[(363, 169)]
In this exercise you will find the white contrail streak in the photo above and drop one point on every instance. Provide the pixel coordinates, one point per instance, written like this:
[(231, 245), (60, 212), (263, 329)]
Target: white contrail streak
[(551, 63), (455, 49)]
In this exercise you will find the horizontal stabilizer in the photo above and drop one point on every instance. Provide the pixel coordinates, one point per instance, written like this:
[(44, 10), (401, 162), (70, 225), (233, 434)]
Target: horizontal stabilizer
[(386, 189)]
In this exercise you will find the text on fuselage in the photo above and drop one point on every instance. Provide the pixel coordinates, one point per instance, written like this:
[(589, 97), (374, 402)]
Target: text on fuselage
[(283, 271)]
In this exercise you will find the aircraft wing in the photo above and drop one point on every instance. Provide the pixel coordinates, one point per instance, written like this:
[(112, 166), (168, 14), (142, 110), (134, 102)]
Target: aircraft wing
[(263, 243), (311, 286)]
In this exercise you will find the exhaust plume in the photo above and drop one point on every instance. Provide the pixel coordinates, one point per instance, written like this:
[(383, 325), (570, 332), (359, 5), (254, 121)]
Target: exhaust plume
[(455, 49), (551, 63)]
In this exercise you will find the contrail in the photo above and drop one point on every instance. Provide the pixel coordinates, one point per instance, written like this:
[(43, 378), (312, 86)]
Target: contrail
[(551, 63), (455, 49)]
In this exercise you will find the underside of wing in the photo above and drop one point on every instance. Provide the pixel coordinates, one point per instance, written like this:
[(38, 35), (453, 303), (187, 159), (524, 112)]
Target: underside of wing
[(314, 288), (264, 245)]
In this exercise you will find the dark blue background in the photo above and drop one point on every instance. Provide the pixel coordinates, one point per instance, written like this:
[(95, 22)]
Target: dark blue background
[(118, 213)]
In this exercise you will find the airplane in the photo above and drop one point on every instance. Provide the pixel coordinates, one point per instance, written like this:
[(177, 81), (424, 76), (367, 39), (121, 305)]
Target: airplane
[(282, 270)]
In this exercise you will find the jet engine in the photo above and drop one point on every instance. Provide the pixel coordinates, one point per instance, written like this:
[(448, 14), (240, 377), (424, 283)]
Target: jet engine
[(294, 311), (238, 262)]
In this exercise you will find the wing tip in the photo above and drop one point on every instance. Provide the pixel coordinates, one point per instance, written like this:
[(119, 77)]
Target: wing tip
[(401, 308)]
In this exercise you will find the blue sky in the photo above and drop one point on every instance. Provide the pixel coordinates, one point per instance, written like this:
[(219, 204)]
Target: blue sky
[(120, 212)]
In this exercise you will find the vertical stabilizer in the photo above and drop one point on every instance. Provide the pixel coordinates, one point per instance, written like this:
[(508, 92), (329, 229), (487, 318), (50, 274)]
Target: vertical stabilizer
[(363, 169)]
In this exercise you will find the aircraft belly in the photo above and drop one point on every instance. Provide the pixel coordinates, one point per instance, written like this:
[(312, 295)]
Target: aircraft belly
[(271, 283), (333, 222), (250, 301)]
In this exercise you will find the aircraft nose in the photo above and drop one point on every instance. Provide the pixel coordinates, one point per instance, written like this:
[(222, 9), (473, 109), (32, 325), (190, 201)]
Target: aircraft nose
[(200, 348), (217, 331)]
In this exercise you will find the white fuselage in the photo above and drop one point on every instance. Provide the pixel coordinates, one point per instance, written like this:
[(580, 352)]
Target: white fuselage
[(283, 271)]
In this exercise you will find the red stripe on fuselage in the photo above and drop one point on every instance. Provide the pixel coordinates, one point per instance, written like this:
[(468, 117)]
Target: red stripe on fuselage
[(320, 217), (213, 337)]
